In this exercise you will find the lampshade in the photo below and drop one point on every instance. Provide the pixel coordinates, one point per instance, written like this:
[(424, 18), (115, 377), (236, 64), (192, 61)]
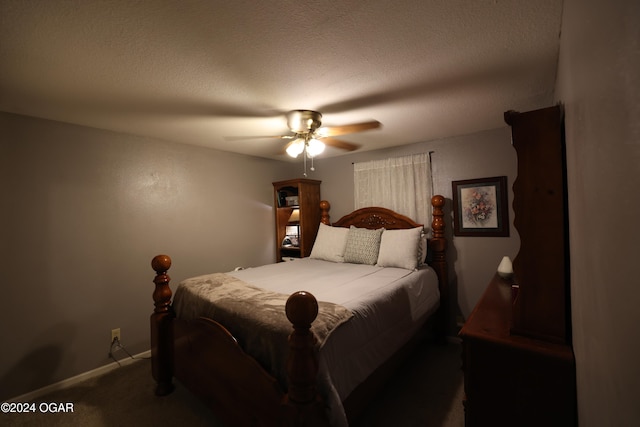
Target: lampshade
[(505, 268), (296, 147), (314, 147), (295, 216)]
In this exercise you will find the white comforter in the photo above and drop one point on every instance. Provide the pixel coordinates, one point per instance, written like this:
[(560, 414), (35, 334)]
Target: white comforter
[(389, 305)]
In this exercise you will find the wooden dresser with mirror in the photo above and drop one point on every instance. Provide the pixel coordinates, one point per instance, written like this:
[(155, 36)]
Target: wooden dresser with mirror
[(519, 367)]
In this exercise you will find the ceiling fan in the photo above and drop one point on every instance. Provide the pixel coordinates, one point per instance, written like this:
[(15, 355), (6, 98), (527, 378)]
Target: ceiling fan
[(309, 138)]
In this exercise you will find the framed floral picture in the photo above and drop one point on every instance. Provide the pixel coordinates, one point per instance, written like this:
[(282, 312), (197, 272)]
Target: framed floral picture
[(480, 207)]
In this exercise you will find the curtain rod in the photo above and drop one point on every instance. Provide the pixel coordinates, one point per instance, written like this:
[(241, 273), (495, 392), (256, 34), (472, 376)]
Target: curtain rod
[(428, 152)]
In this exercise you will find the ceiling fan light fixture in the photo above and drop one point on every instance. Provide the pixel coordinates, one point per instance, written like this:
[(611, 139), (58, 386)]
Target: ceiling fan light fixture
[(315, 147), (296, 147)]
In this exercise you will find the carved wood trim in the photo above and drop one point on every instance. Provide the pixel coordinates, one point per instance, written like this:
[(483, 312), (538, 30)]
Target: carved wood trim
[(376, 217)]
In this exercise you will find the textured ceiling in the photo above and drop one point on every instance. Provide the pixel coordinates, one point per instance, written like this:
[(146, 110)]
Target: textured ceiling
[(202, 71)]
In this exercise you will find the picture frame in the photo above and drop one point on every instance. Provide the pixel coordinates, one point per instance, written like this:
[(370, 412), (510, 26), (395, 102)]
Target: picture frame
[(480, 207), (292, 237)]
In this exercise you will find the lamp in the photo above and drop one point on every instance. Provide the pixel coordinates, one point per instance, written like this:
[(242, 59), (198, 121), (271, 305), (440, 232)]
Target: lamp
[(312, 146), (296, 147), (307, 144), (292, 230), (295, 216), (505, 269)]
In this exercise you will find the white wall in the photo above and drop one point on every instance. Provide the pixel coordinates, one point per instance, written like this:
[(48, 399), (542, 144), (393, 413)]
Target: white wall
[(599, 84), (83, 213)]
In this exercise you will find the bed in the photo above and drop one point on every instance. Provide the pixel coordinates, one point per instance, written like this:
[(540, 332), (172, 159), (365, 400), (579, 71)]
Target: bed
[(289, 358)]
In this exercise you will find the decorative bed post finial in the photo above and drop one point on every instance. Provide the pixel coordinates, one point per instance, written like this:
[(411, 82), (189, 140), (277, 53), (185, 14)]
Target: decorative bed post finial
[(324, 212), (302, 366), (162, 293), (302, 401), (437, 226)]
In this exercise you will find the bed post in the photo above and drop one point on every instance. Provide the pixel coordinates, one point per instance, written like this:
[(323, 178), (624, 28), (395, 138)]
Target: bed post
[(438, 246), (302, 404), (161, 330), (324, 212)]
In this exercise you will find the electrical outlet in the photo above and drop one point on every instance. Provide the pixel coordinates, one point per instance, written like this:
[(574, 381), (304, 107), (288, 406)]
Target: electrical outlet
[(115, 334)]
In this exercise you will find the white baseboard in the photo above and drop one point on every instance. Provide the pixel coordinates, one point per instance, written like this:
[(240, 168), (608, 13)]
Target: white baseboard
[(36, 394)]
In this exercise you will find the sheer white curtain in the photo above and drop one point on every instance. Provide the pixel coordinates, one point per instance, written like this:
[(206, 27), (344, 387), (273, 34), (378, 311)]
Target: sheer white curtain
[(402, 184)]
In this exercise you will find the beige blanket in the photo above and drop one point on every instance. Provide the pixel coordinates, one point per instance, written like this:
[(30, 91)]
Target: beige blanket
[(254, 316)]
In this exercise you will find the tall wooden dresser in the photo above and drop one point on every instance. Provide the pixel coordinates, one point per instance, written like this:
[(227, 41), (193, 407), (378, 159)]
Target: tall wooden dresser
[(519, 368)]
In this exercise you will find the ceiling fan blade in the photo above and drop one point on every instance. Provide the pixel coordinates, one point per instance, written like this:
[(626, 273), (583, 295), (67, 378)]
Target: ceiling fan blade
[(345, 129), (338, 143), (242, 138)]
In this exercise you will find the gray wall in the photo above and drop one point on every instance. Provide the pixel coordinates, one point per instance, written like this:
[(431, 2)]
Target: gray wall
[(84, 211), (473, 260), (599, 84)]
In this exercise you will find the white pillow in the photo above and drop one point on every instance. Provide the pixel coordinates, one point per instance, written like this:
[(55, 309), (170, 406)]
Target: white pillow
[(330, 243), (399, 248)]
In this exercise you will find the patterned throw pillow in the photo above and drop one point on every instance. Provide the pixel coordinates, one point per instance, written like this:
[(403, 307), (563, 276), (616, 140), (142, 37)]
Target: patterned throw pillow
[(362, 246), (423, 249)]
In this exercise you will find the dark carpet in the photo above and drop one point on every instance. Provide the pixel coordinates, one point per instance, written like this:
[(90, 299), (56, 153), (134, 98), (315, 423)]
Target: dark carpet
[(427, 391)]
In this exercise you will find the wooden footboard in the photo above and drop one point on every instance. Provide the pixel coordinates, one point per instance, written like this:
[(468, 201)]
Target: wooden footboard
[(207, 360), (210, 364)]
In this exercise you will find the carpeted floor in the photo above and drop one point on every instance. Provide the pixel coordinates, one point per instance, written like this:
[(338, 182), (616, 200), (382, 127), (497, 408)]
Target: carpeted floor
[(427, 391)]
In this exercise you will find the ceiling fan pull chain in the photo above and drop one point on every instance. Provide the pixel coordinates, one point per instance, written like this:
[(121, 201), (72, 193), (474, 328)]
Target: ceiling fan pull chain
[(305, 163)]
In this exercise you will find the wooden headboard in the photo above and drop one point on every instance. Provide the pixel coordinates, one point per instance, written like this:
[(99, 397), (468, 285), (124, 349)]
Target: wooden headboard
[(374, 218)]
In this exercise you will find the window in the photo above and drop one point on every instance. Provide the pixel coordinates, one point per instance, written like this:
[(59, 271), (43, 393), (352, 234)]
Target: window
[(402, 184)]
